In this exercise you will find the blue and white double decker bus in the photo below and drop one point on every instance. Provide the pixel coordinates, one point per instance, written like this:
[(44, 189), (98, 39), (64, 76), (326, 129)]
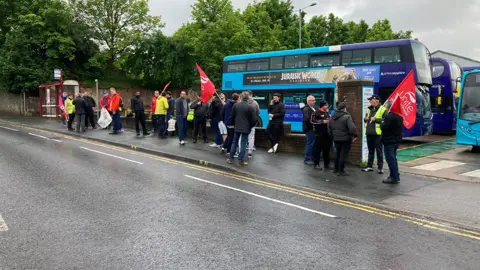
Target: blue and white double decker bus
[(444, 93), (314, 71), (468, 119)]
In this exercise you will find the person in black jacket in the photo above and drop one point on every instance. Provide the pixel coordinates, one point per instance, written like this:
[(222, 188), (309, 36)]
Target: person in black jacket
[(226, 112), (139, 109), (307, 125), (343, 131), (323, 142), (243, 118), (80, 112), (89, 118), (215, 118), (276, 113), (171, 109), (200, 120), (392, 128)]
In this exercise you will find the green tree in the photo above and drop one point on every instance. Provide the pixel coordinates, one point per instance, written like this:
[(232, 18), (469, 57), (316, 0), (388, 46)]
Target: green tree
[(44, 37), (266, 35), (210, 40), (382, 30), (357, 32), (317, 27), (337, 31), (117, 24), (160, 59)]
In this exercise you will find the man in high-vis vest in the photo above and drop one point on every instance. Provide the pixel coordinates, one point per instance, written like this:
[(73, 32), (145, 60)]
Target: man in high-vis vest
[(373, 119)]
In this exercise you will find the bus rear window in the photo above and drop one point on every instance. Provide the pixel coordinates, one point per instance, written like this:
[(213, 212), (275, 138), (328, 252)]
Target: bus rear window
[(261, 64), (296, 61), (357, 57), (387, 55), (237, 66), (326, 60)]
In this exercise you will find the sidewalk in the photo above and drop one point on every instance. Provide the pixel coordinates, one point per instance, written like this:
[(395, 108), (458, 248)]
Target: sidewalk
[(453, 201)]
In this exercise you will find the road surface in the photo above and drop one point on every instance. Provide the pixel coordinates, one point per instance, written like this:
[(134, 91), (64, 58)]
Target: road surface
[(67, 203)]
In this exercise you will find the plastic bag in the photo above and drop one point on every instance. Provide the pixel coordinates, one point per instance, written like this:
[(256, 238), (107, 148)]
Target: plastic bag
[(105, 118)]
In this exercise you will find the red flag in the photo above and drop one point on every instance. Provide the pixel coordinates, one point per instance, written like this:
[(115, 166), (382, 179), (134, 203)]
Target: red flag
[(62, 107), (405, 101), (208, 89), (166, 86)]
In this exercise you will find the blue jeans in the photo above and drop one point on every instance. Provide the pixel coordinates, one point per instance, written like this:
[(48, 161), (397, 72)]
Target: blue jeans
[(215, 130), (182, 127), (391, 157), (117, 123), (243, 145), (310, 145)]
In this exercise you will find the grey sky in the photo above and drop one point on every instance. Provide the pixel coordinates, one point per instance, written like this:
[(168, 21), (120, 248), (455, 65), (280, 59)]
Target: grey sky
[(440, 24)]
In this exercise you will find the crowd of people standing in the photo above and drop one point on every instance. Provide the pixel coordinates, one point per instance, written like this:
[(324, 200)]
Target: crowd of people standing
[(233, 122)]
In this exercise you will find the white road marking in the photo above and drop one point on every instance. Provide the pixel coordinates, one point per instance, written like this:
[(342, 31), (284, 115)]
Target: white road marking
[(12, 129), (43, 137), (435, 166), (475, 173), (263, 197), (39, 136), (3, 225), (110, 155)]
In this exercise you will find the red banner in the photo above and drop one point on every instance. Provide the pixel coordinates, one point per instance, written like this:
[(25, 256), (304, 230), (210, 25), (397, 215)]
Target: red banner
[(208, 88), (405, 100), (166, 86), (62, 107)]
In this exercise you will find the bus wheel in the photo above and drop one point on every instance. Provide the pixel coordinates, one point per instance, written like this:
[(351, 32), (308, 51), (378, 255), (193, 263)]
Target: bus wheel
[(476, 149)]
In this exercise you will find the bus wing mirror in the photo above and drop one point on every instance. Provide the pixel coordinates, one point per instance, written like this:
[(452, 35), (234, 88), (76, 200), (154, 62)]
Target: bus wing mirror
[(459, 79)]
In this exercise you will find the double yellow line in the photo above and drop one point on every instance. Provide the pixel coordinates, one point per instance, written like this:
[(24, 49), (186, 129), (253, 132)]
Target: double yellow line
[(362, 207)]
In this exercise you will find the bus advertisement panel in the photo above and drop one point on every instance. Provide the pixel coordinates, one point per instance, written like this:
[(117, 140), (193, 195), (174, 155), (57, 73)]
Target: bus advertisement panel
[(295, 74)]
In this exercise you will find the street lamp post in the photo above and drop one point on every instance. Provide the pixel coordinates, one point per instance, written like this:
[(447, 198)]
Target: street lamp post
[(300, 23)]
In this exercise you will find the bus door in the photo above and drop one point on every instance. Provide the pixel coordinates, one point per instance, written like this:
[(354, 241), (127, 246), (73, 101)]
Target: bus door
[(294, 102), (263, 99)]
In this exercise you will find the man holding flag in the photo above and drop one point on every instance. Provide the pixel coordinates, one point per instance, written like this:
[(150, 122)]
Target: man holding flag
[(402, 109)]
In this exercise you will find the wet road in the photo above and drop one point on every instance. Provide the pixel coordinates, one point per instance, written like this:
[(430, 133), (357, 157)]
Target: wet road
[(66, 204)]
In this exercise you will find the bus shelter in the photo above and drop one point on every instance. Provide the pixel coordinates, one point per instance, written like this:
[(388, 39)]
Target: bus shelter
[(50, 94)]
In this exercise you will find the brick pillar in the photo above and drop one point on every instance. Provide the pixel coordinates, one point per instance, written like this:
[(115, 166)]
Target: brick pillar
[(355, 93)]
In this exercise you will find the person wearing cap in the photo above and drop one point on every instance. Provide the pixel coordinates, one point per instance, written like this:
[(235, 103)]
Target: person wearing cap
[(276, 113), (307, 112), (373, 119), (343, 131), (323, 141)]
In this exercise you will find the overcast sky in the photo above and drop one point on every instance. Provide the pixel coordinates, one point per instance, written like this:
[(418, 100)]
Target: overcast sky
[(440, 24)]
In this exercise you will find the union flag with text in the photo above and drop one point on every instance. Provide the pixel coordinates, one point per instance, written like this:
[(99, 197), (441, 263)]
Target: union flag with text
[(208, 88), (405, 101)]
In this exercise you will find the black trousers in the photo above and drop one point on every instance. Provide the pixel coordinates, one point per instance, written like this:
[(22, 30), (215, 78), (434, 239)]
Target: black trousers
[(71, 117), (374, 143), (90, 119), (200, 123), (140, 120), (274, 130), (161, 125), (227, 144), (323, 144), (343, 148)]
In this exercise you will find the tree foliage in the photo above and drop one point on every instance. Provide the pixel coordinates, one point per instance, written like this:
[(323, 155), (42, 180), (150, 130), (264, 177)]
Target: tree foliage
[(90, 38), (117, 24)]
